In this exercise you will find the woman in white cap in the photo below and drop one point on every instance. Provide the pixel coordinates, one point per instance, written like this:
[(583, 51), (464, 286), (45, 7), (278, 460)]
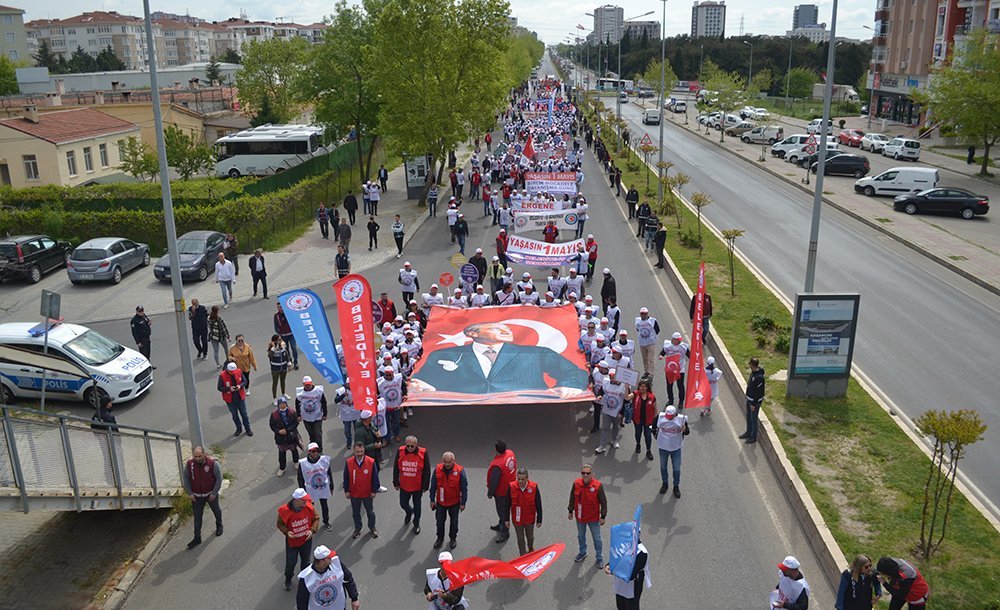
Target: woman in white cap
[(438, 591), (713, 373)]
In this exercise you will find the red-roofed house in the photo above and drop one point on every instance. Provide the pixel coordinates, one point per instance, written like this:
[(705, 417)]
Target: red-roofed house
[(65, 147)]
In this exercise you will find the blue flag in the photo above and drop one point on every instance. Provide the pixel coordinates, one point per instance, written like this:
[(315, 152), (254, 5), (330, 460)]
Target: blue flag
[(311, 330), (552, 101), (625, 546)]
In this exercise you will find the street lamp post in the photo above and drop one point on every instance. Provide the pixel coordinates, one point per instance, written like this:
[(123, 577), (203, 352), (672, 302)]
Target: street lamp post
[(663, 95), (750, 73), (871, 92), (788, 73), (621, 81)]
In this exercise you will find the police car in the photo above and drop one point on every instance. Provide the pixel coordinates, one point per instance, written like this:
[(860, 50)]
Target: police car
[(120, 372)]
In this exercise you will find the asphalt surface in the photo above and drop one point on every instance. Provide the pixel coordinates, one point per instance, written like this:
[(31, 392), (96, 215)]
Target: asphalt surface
[(925, 334)]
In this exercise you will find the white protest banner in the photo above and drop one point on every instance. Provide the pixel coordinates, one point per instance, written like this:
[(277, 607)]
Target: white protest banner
[(536, 253), (536, 206), (550, 182), (536, 221)]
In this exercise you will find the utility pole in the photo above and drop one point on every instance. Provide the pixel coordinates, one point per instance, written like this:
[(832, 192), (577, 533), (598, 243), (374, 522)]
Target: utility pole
[(663, 94)]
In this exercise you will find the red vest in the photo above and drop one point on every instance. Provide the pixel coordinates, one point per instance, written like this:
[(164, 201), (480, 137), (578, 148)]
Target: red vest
[(449, 488), (648, 405), (592, 250), (507, 463), (588, 507), (386, 308), (411, 469), (359, 477), (202, 476), (522, 503), (233, 378), (298, 523)]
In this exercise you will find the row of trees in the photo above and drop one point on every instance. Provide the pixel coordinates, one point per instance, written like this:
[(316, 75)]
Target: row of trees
[(187, 153), (79, 61), (425, 75)]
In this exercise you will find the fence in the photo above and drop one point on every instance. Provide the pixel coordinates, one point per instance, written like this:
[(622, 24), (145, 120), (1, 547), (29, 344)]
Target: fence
[(57, 462)]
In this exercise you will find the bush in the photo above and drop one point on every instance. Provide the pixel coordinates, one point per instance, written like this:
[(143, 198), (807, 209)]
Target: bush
[(760, 323), (847, 108), (947, 131), (761, 341), (782, 343), (689, 238)]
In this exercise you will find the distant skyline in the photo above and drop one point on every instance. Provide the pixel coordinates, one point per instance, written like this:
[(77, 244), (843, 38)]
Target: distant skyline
[(552, 20)]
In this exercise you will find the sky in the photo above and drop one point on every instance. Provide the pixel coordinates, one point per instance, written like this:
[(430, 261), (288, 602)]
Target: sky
[(553, 20)]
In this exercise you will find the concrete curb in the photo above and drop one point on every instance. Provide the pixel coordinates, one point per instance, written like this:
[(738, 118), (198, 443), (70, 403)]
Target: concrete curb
[(867, 222), (134, 569)]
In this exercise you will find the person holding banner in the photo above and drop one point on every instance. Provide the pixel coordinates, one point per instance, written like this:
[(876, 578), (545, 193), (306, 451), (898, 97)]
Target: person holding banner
[(675, 353), (671, 429), (438, 590), (629, 592)]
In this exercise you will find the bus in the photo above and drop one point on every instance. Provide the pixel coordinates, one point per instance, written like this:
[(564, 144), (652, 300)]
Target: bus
[(266, 150), (614, 84)]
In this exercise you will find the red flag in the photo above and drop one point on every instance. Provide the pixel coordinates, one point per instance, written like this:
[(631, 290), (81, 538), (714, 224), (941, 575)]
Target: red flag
[(357, 329), (529, 149), (698, 392), (672, 368), (526, 567)]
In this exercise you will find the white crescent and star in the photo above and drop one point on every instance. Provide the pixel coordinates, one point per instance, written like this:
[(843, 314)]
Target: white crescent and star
[(548, 335)]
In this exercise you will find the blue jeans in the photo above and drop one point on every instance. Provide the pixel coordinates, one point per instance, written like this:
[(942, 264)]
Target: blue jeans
[(675, 458), (649, 239), (432, 206), (356, 504), (349, 432), (238, 409), (392, 419), (227, 291), (595, 533), (753, 418), (461, 243)]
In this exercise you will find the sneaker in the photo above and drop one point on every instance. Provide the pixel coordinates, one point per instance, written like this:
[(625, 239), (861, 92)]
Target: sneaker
[(664, 488), (194, 542), (677, 491), (409, 412), (280, 473), (600, 449), (296, 366), (356, 534), (599, 564), (398, 255), (218, 531), (649, 455), (287, 586), (616, 444), (452, 544), (438, 543), (374, 533), (247, 391), (327, 527), (580, 557), (382, 489)]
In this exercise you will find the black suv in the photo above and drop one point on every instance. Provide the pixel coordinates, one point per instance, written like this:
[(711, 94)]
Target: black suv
[(29, 256), (846, 165)]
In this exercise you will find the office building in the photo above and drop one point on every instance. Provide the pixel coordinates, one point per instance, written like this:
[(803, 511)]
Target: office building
[(805, 15), (608, 23), (708, 18)]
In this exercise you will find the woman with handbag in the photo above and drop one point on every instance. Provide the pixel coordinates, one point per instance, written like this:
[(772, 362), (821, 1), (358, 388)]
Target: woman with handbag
[(284, 423)]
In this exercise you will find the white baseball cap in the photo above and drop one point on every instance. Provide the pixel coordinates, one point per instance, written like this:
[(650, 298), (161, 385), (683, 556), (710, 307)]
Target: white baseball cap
[(299, 493), (677, 336), (444, 556), (590, 236), (607, 271), (789, 563), (314, 445), (307, 379), (407, 264), (479, 250), (671, 411), (643, 310), (434, 285), (710, 360), (322, 552), (231, 366)]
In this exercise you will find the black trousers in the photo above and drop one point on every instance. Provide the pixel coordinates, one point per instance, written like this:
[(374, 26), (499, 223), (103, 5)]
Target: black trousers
[(399, 243), (144, 349), (350, 215), (257, 277), (302, 553), (410, 502), (283, 457), (503, 512), (198, 508), (441, 513), (324, 228), (200, 336), (372, 239), (315, 431), (680, 392)]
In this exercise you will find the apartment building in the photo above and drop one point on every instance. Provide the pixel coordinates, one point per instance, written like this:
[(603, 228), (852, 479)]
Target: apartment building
[(708, 18), (13, 37), (314, 32), (637, 29), (814, 33), (185, 42), (608, 23), (94, 32)]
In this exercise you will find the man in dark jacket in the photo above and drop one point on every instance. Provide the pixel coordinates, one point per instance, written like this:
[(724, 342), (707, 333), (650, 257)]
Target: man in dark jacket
[(706, 313), (199, 327), (660, 242), (755, 396), (632, 199), (103, 419), (258, 271), (142, 331), (351, 205), (608, 289), (641, 215), (461, 232), (366, 432), (383, 178), (479, 261)]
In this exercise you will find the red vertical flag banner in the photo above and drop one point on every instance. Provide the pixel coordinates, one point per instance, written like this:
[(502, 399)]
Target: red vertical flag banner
[(529, 148), (357, 335), (698, 392)]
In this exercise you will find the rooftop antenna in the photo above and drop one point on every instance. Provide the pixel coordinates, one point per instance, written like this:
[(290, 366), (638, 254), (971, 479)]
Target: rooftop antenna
[(741, 25)]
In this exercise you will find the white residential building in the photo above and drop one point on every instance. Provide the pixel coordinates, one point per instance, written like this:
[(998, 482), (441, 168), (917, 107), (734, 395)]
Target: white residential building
[(608, 23), (96, 31), (708, 18)]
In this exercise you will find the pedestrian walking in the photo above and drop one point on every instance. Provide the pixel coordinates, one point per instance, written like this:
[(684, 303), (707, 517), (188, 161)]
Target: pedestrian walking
[(258, 271), (345, 235), (361, 484), (501, 472), (218, 334), (675, 353), (648, 329), (297, 522), (142, 331), (366, 197), (234, 395), (278, 359), (351, 207), (323, 218), (644, 416), (713, 373), (449, 493), (325, 583), (859, 587), (374, 196), (373, 228), (383, 178), (588, 504), (582, 216), (609, 289), (310, 404), (613, 395), (342, 262), (632, 200), (284, 423), (335, 223), (755, 398), (459, 183), (408, 282), (451, 215), (411, 477), (316, 477), (398, 231), (792, 591), (971, 158), (525, 510), (231, 248), (198, 315), (284, 330), (242, 354), (903, 583), (438, 591), (671, 429), (432, 200), (628, 591), (501, 245), (348, 414), (202, 479), (225, 275), (461, 232)]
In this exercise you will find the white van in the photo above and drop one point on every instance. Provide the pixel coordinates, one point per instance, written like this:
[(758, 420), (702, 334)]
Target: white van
[(899, 181), (120, 372), (651, 117), (778, 149)]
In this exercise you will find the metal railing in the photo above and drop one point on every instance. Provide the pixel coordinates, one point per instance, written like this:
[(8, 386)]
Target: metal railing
[(59, 462)]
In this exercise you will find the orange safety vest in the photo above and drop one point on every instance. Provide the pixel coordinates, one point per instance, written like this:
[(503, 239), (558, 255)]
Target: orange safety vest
[(588, 507), (449, 485)]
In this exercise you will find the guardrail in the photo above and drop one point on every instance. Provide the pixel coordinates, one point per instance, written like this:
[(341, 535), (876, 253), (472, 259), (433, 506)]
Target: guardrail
[(58, 462)]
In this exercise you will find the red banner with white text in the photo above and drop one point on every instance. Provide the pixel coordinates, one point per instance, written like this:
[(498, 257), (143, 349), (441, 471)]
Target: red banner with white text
[(526, 567), (698, 394), (357, 336)]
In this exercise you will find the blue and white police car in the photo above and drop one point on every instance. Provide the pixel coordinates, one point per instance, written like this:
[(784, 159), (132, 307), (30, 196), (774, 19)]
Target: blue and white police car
[(120, 372)]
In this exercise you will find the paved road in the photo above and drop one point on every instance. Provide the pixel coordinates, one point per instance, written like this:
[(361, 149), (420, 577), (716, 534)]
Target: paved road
[(733, 517), (924, 330)]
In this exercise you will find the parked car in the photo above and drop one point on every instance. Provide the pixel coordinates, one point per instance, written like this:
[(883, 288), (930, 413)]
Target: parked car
[(748, 112), (30, 256), (793, 155), (845, 165), (623, 97), (780, 148), (739, 128), (902, 148), (198, 252), (651, 116), (813, 126), (106, 259), (720, 122), (850, 137), (680, 106), (898, 181), (762, 134), (873, 141), (706, 119), (761, 113), (808, 160), (645, 93), (107, 368), (947, 200)]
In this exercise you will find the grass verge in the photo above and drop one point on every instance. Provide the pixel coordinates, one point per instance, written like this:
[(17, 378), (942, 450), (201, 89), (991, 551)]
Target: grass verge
[(864, 473)]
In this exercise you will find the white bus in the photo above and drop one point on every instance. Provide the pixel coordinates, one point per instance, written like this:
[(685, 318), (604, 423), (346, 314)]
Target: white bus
[(614, 84), (266, 150)]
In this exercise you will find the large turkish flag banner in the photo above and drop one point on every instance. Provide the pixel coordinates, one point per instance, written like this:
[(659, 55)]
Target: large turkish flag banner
[(500, 355)]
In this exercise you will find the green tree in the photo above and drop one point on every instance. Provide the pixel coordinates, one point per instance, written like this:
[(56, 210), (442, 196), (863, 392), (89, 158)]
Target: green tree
[(45, 58), (213, 73), (107, 61), (800, 83), (272, 68), (652, 77), (265, 114), (965, 93), (138, 160), (862, 88), (8, 77), (729, 93), (731, 235), (81, 61), (337, 80), (232, 57), (761, 81), (186, 153)]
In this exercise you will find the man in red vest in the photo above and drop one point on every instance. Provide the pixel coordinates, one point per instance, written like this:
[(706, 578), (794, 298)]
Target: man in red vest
[(525, 510), (501, 473), (234, 393), (297, 521), (360, 486), (449, 493), (411, 476), (589, 506), (202, 482)]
